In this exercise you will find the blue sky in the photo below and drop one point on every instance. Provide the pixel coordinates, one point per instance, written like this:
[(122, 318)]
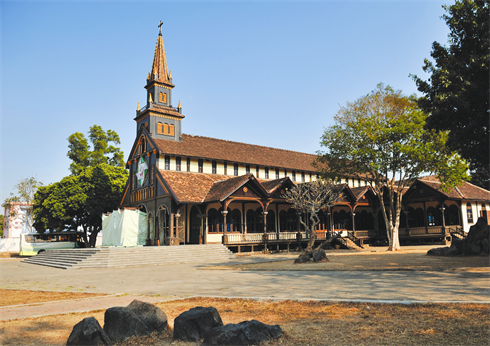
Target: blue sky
[(267, 73)]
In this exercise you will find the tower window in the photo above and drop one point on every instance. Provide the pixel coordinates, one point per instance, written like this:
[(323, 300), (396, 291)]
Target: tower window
[(163, 98), (166, 129), (214, 167), (178, 162), (266, 172), (188, 164), (235, 169), (167, 162), (200, 164)]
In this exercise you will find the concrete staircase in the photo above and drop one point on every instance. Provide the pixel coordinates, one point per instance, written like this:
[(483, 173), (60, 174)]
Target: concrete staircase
[(136, 256)]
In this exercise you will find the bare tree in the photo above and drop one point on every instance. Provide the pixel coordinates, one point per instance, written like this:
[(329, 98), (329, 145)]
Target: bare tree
[(309, 199)]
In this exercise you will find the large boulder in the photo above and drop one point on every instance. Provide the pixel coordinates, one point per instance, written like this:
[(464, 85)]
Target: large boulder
[(88, 332), (476, 242), (153, 317), (320, 256), (303, 258), (244, 333), (194, 323), (121, 323)]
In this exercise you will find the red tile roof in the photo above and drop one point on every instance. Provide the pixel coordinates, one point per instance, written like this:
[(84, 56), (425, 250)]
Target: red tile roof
[(191, 187), (223, 150), (464, 191)]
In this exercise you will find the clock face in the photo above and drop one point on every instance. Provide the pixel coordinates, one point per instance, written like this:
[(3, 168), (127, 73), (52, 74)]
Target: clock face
[(141, 171)]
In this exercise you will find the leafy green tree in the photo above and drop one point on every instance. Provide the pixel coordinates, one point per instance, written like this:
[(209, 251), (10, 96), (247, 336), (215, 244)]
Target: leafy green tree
[(102, 151), (457, 93), (78, 201), (381, 137)]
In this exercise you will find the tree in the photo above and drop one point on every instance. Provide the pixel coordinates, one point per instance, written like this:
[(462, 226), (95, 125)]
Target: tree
[(82, 156), (381, 137), (26, 189), (2, 223), (456, 94), (77, 202), (309, 199)]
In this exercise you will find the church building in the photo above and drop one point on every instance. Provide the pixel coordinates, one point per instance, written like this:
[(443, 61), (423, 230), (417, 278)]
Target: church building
[(199, 190)]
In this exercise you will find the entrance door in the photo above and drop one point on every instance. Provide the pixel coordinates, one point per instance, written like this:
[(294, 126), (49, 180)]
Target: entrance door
[(195, 226)]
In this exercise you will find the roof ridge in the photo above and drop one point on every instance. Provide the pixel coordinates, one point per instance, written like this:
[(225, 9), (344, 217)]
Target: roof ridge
[(255, 145)]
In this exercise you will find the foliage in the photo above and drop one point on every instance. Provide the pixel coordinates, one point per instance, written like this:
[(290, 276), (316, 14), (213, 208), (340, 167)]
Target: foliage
[(78, 201), (456, 94), (2, 223), (381, 137), (82, 156), (26, 189), (309, 199)]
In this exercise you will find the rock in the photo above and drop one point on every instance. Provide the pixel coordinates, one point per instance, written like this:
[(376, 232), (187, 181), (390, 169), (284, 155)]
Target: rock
[(303, 258), (320, 256), (244, 333), (194, 323), (153, 317), (438, 251), (472, 249), (479, 231), (485, 247), (121, 323), (88, 332)]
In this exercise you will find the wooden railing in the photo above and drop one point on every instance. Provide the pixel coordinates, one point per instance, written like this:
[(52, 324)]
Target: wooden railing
[(258, 237)]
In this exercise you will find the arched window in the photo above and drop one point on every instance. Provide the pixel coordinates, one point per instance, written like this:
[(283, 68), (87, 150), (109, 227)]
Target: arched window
[(419, 217), (452, 215), (160, 128), (254, 221), (271, 221), (213, 220), (469, 213), (165, 129), (292, 220), (283, 221), (235, 221), (171, 130), (431, 216)]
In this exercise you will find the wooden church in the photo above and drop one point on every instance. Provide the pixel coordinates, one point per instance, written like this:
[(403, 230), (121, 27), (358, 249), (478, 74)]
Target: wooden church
[(198, 190)]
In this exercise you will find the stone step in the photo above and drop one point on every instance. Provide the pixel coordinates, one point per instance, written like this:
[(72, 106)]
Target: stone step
[(123, 257)]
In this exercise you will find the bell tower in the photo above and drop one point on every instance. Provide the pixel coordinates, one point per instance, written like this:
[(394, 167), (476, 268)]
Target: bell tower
[(161, 119)]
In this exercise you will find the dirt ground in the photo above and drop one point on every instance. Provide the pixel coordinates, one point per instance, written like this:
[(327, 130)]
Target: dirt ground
[(304, 323), (382, 260)]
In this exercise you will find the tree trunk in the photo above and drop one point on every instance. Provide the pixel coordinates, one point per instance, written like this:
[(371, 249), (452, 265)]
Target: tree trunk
[(309, 248), (395, 240)]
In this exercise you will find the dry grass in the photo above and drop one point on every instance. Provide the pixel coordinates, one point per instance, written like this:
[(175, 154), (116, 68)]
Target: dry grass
[(9, 254), (304, 323), (17, 297), (375, 261)]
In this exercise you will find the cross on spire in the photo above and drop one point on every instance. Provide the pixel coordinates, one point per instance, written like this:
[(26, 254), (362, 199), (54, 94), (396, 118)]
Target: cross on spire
[(160, 27)]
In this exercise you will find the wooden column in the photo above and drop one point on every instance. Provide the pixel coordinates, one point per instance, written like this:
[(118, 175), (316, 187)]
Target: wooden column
[(225, 236)]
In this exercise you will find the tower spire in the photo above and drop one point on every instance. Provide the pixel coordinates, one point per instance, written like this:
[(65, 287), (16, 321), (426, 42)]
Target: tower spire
[(159, 69)]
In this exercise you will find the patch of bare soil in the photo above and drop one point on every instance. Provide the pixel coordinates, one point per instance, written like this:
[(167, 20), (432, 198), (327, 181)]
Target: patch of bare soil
[(304, 323), (366, 261), (17, 297)]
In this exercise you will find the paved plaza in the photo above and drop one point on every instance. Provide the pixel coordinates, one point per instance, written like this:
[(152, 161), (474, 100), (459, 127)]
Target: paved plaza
[(157, 283)]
